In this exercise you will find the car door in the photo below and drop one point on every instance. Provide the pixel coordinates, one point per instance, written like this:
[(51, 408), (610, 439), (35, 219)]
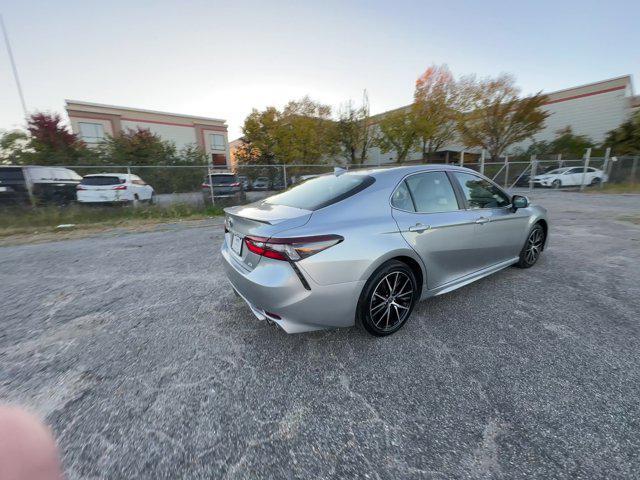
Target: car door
[(432, 221), (592, 174), (574, 176), (499, 231)]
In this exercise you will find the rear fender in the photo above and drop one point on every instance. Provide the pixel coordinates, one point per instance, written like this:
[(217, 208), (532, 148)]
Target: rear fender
[(394, 254)]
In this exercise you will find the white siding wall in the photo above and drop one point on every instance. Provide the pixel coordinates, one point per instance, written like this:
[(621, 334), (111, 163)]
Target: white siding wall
[(592, 116), (181, 136)]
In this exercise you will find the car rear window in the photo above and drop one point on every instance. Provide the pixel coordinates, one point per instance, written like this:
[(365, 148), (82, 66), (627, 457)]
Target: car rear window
[(223, 179), (101, 181), (322, 191)]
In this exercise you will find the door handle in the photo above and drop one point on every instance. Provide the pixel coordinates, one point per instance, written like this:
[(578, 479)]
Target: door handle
[(482, 220), (419, 228)]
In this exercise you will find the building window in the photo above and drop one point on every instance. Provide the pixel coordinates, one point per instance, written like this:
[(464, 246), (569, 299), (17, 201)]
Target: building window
[(217, 142), (91, 132), (218, 159)]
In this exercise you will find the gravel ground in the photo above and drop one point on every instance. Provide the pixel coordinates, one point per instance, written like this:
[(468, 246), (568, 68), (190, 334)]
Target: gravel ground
[(137, 353)]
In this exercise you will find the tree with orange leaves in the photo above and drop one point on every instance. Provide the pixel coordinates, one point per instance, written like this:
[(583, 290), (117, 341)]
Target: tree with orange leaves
[(496, 117), (436, 102)]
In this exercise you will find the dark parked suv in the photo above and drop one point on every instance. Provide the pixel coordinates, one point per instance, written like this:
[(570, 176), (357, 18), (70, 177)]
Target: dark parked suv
[(22, 185), (226, 187)]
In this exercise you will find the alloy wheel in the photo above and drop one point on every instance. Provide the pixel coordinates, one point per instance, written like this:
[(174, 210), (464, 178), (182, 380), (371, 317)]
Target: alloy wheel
[(534, 246), (391, 301)]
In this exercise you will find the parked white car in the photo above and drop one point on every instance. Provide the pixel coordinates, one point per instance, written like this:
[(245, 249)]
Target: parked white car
[(113, 188), (570, 176), (261, 183)]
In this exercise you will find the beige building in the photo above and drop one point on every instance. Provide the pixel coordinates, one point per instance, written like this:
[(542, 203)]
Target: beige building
[(593, 110), (93, 122)]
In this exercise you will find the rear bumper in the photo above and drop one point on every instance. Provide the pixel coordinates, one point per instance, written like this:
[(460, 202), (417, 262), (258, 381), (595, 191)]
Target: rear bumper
[(237, 195), (84, 196), (274, 288)]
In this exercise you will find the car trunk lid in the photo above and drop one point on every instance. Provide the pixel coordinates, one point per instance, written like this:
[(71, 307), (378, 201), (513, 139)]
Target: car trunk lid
[(260, 220), (100, 182)]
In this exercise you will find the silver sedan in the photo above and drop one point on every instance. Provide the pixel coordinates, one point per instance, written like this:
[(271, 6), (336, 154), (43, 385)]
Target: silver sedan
[(364, 246)]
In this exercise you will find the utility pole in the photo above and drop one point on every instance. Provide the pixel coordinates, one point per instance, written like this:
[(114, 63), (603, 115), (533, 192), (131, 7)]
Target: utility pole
[(587, 157), (13, 66)]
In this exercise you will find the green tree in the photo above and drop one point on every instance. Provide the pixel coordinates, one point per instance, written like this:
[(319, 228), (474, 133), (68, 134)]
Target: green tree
[(157, 157), (260, 132), (569, 144), (13, 147), (353, 131), (625, 140), (138, 146), (566, 143), (436, 99), (305, 133), (495, 117), (301, 133), (396, 133)]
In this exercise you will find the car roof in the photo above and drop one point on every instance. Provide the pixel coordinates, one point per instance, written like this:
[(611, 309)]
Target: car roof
[(108, 175), (397, 172)]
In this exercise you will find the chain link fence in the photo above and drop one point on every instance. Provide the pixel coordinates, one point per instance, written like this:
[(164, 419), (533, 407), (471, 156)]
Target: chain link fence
[(202, 186)]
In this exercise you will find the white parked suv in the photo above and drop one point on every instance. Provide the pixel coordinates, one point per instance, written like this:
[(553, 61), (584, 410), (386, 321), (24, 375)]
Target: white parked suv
[(570, 176), (113, 188)]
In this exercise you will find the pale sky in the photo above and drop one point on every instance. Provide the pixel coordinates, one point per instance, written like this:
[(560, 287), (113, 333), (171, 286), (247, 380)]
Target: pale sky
[(220, 59)]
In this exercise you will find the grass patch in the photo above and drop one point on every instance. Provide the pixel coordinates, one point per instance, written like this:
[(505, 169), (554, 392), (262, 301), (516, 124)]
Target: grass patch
[(16, 221), (617, 188)]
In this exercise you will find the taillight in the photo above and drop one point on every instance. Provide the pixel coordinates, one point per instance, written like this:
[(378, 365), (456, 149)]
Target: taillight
[(80, 187), (236, 184), (291, 249), (205, 185), (119, 187)]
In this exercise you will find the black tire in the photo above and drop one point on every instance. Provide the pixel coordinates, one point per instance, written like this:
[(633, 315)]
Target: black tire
[(377, 285), (556, 183), (596, 181), (532, 247)]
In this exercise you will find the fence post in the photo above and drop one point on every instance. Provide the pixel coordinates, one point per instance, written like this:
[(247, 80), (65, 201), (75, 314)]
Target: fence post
[(634, 169), (587, 157), (482, 162), (605, 166), (560, 162), (135, 202), (506, 171), (284, 175), (462, 158), (534, 169), (210, 181)]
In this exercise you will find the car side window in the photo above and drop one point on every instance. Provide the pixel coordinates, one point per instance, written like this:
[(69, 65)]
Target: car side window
[(481, 193), (432, 192), (402, 199)]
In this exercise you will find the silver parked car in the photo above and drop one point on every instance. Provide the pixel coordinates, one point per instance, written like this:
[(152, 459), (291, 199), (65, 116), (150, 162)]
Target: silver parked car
[(365, 246)]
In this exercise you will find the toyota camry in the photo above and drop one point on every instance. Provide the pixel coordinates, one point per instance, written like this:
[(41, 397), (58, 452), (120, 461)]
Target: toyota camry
[(362, 247)]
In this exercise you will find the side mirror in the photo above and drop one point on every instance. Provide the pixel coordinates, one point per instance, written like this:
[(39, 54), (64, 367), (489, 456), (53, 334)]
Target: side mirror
[(518, 201)]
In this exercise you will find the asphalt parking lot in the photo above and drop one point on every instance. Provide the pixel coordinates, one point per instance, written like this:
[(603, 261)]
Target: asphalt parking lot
[(137, 353)]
